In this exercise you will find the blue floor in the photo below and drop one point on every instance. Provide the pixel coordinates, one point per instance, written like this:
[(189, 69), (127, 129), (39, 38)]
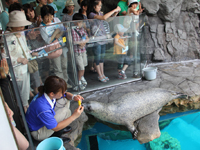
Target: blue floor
[(186, 129)]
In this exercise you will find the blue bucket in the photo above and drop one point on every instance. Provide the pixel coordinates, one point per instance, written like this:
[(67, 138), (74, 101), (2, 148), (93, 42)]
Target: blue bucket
[(52, 143)]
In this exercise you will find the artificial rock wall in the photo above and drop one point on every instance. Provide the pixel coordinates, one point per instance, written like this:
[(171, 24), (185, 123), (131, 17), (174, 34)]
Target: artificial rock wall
[(172, 29)]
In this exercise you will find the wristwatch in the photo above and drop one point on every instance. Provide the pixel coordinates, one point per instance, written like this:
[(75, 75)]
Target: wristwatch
[(73, 97)]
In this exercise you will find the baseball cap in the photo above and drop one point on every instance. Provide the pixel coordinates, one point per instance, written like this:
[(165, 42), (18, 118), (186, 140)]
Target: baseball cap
[(120, 28)]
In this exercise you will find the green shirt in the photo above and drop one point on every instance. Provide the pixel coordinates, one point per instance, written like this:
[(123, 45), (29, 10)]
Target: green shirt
[(124, 7)]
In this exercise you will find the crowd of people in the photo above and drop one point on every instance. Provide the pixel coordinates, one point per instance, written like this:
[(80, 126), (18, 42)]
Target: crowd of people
[(42, 120)]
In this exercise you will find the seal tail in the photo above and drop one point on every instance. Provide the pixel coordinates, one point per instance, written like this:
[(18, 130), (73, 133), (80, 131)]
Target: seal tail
[(180, 95)]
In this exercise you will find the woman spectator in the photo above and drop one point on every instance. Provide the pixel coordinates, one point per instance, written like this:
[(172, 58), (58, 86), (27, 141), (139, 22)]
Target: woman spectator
[(68, 11), (34, 41), (31, 16), (19, 53), (53, 35), (94, 12)]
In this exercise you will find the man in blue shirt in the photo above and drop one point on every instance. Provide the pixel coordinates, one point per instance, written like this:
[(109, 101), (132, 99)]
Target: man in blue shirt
[(4, 17)]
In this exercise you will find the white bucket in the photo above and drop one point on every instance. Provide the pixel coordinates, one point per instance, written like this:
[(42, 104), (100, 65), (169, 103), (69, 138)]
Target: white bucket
[(150, 73)]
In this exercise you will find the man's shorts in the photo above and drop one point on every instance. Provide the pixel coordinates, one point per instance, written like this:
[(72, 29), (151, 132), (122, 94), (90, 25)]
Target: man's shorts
[(81, 60)]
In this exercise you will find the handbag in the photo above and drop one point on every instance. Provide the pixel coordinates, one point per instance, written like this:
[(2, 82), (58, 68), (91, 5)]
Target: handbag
[(32, 64), (50, 50)]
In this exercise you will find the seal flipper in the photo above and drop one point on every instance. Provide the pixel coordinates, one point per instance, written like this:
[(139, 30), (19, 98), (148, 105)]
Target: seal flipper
[(133, 131)]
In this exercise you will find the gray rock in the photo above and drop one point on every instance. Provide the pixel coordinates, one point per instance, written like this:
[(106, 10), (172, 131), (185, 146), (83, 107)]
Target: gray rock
[(170, 48), (151, 6), (159, 54), (169, 37), (182, 34), (170, 10), (153, 28), (168, 28), (160, 34), (155, 40)]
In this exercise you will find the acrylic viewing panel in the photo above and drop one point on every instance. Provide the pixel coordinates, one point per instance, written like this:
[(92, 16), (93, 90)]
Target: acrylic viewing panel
[(62, 56)]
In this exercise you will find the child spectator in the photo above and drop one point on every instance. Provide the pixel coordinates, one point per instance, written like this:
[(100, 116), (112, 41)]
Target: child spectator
[(80, 38), (121, 50), (38, 8), (50, 2), (68, 11), (133, 7)]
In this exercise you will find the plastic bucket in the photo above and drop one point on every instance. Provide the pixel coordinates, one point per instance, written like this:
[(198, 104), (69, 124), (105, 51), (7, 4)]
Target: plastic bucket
[(150, 73), (52, 143)]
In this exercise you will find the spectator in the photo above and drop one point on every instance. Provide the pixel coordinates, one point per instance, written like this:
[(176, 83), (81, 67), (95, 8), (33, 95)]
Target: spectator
[(21, 140), (79, 2), (41, 118), (83, 11), (80, 39), (121, 50), (15, 6), (50, 2), (53, 34), (123, 4), (31, 16), (94, 12), (68, 11), (40, 5), (34, 41), (19, 53), (4, 17), (133, 7)]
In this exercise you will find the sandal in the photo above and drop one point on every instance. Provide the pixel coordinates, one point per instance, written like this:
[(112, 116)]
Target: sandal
[(102, 80), (107, 79)]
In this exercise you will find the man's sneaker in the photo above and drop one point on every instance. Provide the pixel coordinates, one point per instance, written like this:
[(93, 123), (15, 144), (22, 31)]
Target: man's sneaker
[(82, 87), (83, 81), (122, 75)]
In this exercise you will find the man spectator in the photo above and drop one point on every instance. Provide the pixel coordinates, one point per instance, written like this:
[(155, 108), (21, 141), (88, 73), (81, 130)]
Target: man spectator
[(4, 17)]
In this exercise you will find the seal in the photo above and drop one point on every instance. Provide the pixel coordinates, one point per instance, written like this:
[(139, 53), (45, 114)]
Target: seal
[(131, 107)]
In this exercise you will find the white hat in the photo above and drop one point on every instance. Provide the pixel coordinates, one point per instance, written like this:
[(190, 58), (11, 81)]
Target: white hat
[(132, 1), (69, 3), (17, 19), (120, 28)]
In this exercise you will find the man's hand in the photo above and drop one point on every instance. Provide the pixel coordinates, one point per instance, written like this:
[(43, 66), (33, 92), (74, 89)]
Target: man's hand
[(82, 45)]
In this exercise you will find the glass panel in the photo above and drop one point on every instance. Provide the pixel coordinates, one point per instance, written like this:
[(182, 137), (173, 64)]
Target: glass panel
[(70, 50), (111, 46)]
